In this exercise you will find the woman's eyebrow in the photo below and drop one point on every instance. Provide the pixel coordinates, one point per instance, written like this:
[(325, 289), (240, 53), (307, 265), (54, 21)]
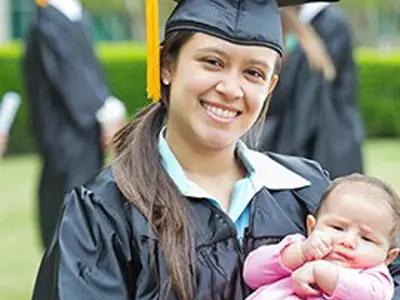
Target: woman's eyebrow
[(213, 49), (252, 61), (259, 62)]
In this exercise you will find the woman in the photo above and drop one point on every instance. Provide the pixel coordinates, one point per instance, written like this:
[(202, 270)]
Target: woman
[(185, 200)]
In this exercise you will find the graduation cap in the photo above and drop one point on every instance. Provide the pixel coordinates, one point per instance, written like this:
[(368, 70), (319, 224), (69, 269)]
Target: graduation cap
[(246, 22)]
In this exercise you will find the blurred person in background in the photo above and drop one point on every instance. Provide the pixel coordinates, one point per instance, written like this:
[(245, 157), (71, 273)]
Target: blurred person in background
[(72, 113), (314, 111)]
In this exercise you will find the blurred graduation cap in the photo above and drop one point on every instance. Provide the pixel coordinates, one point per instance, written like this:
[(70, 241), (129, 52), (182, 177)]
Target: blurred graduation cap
[(246, 22)]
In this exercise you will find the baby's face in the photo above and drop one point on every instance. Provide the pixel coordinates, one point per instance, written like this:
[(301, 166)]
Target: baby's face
[(360, 228)]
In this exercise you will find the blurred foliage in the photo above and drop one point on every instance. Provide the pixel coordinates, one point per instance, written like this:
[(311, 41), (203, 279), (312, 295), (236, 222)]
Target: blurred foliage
[(166, 5), (379, 92), (375, 22), (118, 5), (380, 3), (104, 6), (125, 65)]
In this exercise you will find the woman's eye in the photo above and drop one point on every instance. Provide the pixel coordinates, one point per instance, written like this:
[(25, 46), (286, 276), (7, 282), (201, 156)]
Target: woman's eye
[(212, 62), (256, 73)]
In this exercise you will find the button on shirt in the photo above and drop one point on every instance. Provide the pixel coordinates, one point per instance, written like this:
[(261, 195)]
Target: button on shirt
[(261, 171)]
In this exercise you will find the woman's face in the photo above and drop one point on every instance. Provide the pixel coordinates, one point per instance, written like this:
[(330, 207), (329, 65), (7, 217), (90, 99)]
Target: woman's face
[(217, 90)]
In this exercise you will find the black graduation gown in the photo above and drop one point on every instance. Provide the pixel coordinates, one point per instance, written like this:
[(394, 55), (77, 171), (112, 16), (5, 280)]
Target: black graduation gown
[(311, 117), (65, 88), (102, 245)]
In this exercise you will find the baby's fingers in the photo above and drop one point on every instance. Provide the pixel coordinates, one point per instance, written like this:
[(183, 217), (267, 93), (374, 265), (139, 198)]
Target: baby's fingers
[(326, 240), (303, 289), (317, 253), (322, 250)]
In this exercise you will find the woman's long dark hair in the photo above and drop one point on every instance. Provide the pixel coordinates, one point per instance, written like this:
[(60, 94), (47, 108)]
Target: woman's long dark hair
[(142, 179)]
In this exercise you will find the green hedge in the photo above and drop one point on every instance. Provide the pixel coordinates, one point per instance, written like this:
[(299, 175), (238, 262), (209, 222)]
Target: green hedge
[(379, 94), (124, 66)]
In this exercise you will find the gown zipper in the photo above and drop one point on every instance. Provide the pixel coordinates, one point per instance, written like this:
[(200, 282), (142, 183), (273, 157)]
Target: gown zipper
[(239, 246)]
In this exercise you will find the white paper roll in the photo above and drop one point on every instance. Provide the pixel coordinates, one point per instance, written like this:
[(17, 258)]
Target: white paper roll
[(111, 113), (8, 110)]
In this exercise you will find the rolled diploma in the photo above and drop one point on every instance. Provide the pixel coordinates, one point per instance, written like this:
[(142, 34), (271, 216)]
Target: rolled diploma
[(8, 111)]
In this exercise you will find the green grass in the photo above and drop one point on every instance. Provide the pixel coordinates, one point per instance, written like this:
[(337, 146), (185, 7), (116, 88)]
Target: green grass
[(382, 159), (19, 249)]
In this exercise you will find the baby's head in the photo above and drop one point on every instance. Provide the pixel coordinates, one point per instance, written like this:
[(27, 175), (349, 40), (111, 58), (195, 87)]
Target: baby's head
[(362, 215)]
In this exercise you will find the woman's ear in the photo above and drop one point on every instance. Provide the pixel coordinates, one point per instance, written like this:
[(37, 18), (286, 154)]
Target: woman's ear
[(166, 69), (166, 74), (311, 223), (274, 82)]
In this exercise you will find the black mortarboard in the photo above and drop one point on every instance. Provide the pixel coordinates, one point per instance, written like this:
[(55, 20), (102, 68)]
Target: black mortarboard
[(248, 22)]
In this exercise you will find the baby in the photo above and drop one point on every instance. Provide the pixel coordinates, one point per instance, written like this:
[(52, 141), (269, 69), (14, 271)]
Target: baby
[(351, 240)]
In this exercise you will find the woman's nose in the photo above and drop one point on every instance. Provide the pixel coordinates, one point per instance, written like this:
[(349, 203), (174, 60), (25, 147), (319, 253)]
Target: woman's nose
[(231, 87)]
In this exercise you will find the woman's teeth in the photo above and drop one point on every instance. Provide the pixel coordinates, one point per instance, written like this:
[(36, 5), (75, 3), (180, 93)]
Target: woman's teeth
[(222, 113)]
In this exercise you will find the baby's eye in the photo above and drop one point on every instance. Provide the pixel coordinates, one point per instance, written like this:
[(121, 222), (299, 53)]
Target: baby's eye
[(338, 228), (367, 239)]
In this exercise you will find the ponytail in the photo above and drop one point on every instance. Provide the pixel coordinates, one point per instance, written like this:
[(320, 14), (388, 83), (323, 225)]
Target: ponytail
[(143, 181)]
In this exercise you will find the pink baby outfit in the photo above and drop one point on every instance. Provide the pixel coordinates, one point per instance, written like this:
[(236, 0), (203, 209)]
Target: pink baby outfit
[(264, 273)]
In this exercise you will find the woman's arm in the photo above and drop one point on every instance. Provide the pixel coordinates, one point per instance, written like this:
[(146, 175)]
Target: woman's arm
[(90, 255)]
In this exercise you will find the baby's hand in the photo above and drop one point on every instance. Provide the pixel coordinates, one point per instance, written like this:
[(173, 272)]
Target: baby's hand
[(317, 246), (315, 278), (303, 281)]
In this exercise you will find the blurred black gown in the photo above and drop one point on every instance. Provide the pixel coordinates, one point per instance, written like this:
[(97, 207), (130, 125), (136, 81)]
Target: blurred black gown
[(311, 117), (65, 88)]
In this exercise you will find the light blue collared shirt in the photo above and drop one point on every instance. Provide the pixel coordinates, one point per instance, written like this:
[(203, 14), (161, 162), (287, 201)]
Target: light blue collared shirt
[(261, 171)]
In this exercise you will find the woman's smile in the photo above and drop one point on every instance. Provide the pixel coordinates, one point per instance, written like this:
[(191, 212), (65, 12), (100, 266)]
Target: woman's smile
[(220, 113)]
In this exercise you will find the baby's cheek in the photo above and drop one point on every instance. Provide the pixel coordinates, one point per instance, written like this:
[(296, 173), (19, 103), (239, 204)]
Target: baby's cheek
[(370, 256)]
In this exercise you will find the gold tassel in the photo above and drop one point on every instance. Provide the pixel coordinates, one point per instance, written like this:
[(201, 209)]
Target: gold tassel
[(41, 3), (153, 51)]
